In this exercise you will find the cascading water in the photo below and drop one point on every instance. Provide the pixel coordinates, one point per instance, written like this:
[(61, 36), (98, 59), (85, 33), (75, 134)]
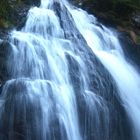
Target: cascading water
[(106, 46), (68, 80)]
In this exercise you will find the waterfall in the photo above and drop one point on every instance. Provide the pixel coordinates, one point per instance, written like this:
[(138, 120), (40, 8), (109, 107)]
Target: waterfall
[(106, 46), (68, 79)]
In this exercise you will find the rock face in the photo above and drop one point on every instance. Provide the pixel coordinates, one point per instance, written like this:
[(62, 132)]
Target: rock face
[(4, 50)]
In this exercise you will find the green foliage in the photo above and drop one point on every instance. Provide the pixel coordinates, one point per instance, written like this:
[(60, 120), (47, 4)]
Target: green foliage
[(7, 12)]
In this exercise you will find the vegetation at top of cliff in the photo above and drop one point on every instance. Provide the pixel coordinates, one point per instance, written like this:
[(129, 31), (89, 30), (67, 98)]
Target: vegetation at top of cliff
[(13, 12)]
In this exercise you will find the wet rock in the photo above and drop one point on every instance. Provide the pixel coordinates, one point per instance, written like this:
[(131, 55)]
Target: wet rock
[(4, 52), (136, 19)]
